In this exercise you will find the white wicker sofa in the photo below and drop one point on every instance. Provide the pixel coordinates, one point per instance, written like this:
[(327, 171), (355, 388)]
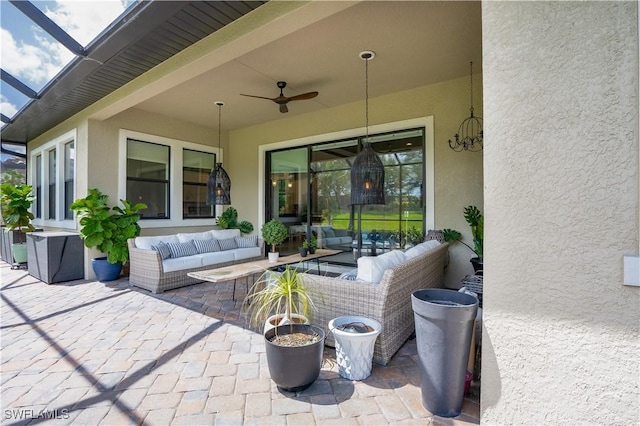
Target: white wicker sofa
[(160, 263), (382, 291)]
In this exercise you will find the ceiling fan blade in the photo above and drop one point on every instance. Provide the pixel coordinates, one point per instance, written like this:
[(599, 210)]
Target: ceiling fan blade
[(259, 97), (309, 95), (283, 108)]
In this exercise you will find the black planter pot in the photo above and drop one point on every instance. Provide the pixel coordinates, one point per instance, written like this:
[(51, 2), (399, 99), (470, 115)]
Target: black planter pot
[(476, 262), (294, 368), (303, 252), (104, 270)]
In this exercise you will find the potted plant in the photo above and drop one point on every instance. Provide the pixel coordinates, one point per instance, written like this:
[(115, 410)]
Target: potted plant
[(304, 248), (475, 220), (274, 232), (229, 220), (107, 229), (16, 201), (313, 245), (413, 236), (294, 348)]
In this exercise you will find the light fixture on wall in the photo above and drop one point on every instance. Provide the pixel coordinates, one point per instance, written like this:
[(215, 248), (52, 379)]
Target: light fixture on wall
[(367, 171), (219, 184), (469, 136)]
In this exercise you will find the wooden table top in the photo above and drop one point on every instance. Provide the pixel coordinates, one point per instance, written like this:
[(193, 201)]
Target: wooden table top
[(241, 270)]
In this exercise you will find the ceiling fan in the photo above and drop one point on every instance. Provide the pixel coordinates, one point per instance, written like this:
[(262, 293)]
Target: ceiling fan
[(282, 100)]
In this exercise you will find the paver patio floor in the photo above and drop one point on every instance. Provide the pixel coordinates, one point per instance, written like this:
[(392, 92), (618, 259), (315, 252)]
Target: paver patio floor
[(96, 353)]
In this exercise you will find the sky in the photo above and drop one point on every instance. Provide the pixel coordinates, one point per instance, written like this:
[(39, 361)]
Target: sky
[(33, 56)]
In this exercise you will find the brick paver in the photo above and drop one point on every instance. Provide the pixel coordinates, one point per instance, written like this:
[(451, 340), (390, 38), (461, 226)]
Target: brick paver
[(92, 353)]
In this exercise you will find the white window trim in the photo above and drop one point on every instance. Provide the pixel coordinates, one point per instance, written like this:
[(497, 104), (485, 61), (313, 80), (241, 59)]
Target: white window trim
[(429, 160), (175, 177), (58, 144)]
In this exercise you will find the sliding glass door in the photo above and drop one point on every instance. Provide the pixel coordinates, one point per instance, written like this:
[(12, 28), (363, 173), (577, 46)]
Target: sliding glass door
[(309, 190)]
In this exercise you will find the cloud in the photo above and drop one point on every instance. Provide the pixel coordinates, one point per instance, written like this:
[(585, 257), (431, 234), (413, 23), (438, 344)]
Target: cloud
[(84, 20), (7, 107), (37, 63)]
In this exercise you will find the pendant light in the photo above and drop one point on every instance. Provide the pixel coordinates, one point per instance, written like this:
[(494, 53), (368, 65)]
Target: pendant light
[(469, 136), (367, 171), (219, 184)]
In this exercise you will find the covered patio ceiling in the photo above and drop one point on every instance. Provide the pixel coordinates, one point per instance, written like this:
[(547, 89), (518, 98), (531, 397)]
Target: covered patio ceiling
[(313, 46)]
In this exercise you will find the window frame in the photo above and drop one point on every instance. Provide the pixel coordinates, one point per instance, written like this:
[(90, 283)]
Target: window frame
[(176, 148), (58, 145), (429, 158)]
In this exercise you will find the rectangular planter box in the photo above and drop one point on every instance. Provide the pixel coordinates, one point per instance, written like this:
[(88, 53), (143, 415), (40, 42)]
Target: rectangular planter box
[(9, 238), (55, 256)]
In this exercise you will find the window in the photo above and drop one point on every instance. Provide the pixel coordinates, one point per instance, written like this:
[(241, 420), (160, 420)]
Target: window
[(51, 179), (52, 169), (407, 156), (169, 176), (69, 173), (37, 202), (148, 177), (196, 168)]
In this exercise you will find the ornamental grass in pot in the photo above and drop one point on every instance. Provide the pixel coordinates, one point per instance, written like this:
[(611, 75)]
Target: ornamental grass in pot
[(294, 350)]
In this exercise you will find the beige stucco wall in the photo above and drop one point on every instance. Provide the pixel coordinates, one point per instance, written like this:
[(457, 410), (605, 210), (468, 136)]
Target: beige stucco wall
[(458, 176), (561, 341)]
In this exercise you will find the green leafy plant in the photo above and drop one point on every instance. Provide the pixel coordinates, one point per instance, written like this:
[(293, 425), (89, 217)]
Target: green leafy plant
[(107, 229), (16, 201), (475, 219), (414, 236), (311, 244), (274, 232), (278, 293), (229, 220)]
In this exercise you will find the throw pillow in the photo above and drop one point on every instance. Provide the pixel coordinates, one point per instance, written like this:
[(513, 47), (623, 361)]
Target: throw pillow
[(329, 233), (182, 249), (206, 246), (162, 248), (371, 268), (349, 275), (247, 242), (228, 244)]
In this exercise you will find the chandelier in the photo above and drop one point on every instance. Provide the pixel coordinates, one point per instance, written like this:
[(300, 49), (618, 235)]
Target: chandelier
[(219, 184), (469, 136), (367, 171)]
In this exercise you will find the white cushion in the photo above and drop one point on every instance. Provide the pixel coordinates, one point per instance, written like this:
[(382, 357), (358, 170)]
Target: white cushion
[(415, 251), (371, 268), (184, 237), (223, 234), (145, 243), (246, 253), (187, 262), (216, 257), (421, 248)]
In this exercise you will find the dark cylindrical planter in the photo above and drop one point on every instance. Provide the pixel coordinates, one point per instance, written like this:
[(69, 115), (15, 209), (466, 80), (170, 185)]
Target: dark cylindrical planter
[(294, 368), (104, 270), (444, 324)]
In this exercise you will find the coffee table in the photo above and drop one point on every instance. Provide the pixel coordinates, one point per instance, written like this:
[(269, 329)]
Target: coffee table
[(247, 269)]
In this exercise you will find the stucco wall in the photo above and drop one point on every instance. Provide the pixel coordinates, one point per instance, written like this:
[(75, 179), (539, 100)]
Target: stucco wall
[(458, 176), (561, 331)]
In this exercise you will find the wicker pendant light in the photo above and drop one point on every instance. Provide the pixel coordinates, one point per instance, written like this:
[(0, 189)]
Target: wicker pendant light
[(367, 171), (219, 184)]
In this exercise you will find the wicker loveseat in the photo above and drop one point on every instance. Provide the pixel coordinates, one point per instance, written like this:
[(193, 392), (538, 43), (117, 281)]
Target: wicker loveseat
[(388, 302), (150, 270)]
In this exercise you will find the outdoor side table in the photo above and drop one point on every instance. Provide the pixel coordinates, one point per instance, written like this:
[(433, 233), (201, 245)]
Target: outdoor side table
[(55, 256), (354, 345)]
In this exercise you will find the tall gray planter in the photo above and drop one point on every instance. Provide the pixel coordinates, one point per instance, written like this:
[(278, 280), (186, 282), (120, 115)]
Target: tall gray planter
[(444, 325)]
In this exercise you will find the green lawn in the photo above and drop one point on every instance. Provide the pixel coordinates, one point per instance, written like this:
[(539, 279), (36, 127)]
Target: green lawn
[(378, 221)]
